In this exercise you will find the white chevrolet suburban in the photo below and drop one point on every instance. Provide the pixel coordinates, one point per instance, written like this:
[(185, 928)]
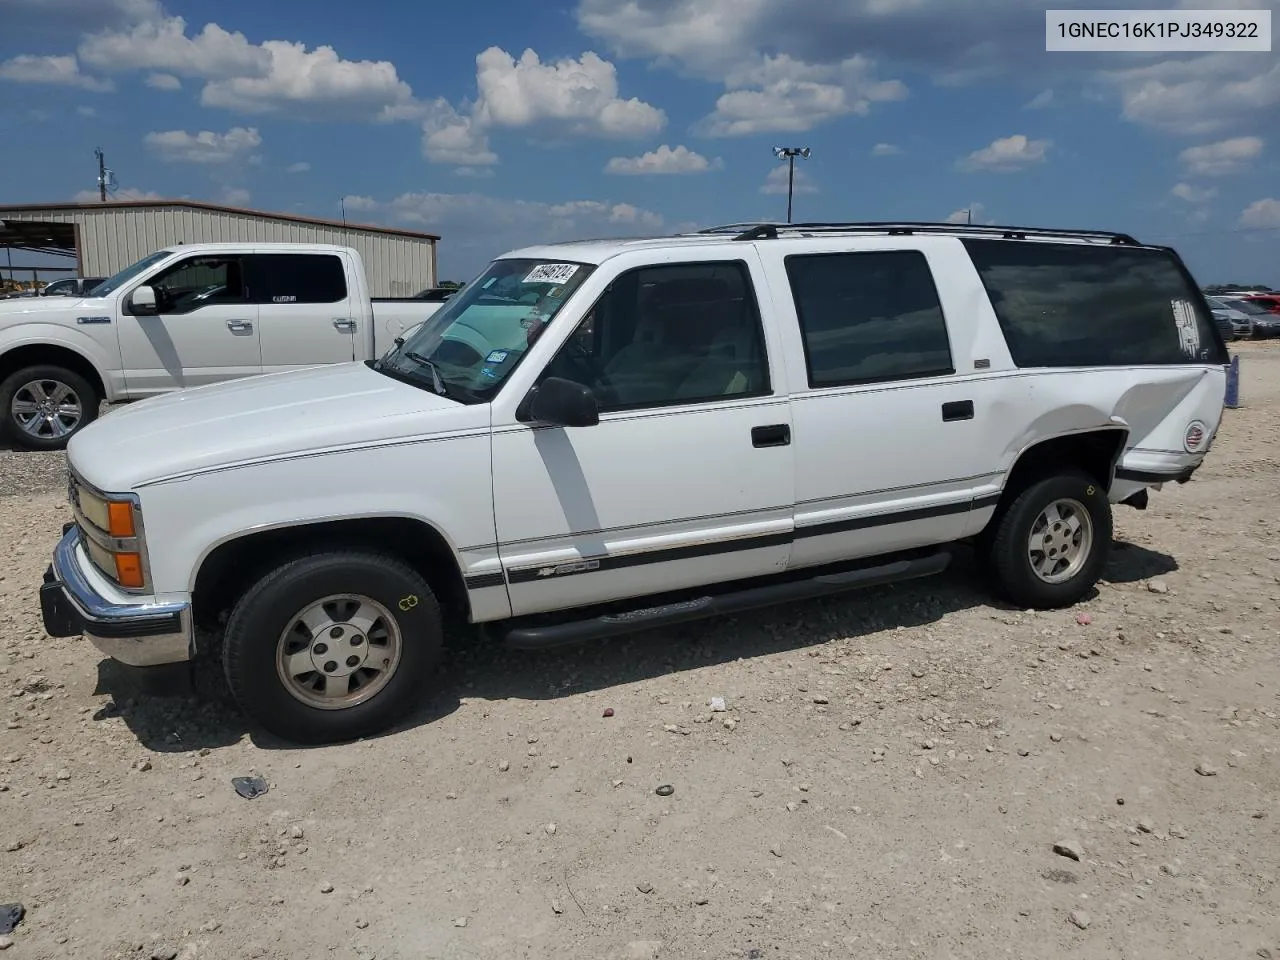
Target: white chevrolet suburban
[(190, 315), (605, 436)]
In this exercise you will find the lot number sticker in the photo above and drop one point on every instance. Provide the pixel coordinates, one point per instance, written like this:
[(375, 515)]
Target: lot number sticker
[(551, 273)]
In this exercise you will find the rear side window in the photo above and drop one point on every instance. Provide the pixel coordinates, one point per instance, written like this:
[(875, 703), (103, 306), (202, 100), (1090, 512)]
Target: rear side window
[(1078, 305), (280, 278), (869, 317)]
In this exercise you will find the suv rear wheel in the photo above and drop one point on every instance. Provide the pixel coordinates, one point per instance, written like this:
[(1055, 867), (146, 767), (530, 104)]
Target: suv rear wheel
[(1048, 547), (332, 647)]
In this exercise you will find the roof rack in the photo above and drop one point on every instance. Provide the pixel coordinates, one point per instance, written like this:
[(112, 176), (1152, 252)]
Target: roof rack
[(771, 231)]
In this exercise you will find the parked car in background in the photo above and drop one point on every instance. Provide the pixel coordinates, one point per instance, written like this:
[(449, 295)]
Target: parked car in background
[(71, 287), (186, 316), (437, 294), (1265, 323), (1226, 326), (1240, 321), (602, 437), (1268, 301)]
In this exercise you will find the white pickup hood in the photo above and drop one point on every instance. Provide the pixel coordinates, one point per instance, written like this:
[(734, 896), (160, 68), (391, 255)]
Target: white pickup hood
[(257, 418), (36, 309)]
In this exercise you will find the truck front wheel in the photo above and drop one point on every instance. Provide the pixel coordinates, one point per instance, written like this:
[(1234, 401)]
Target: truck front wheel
[(43, 406), (332, 647)]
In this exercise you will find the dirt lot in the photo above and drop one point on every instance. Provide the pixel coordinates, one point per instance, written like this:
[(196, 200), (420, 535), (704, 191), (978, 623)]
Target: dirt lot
[(889, 779)]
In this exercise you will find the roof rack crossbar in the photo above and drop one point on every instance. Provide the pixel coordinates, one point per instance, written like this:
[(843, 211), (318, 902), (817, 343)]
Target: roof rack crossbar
[(769, 231)]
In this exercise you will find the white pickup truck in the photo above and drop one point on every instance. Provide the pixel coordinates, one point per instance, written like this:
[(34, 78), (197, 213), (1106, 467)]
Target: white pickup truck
[(599, 437), (183, 317)]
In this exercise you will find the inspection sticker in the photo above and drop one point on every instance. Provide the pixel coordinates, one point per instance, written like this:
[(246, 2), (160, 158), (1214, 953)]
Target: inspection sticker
[(551, 273), (497, 356)]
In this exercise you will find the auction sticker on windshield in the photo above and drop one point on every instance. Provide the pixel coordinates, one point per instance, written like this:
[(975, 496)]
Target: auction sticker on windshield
[(551, 273)]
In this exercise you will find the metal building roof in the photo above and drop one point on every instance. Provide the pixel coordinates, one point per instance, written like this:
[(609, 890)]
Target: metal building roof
[(26, 209)]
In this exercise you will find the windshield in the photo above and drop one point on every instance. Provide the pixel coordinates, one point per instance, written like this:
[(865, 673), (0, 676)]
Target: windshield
[(112, 284), (468, 348)]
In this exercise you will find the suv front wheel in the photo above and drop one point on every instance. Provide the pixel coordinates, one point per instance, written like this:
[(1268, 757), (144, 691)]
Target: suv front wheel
[(1048, 547), (333, 647)]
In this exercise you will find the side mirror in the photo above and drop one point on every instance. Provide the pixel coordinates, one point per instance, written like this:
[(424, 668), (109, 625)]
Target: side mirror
[(143, 301), (564, 403)]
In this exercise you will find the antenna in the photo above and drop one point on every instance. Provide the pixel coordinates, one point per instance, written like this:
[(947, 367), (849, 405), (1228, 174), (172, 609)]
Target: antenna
[(342, 202)]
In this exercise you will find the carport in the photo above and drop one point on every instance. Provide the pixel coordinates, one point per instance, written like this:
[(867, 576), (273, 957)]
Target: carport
[(40, 237)]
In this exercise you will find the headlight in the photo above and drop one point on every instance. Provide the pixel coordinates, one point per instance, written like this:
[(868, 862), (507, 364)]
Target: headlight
[(111, 531)]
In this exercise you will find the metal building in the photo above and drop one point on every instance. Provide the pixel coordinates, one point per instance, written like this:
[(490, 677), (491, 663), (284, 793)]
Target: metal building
[(106, 237)]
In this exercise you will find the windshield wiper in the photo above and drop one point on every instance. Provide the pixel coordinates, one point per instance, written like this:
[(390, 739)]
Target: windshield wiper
[(430, 364)]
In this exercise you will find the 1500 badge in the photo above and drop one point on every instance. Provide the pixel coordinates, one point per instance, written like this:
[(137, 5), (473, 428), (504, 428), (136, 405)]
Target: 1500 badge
[(93, 319)]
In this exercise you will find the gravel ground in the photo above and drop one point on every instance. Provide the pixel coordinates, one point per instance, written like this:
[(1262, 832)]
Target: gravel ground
[(910, 772)]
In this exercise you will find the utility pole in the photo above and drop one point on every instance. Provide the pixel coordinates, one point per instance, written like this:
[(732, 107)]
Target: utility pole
[(789, 154), (102, 175)]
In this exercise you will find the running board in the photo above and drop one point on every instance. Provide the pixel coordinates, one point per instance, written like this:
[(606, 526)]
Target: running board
[(542, 636)]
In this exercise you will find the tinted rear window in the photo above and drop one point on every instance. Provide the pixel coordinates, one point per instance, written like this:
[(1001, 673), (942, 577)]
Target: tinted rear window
[(1068, 305), (280, 278)]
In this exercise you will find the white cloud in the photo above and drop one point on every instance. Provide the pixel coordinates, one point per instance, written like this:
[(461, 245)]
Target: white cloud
[(664, 160), (783, 95), (581, 95), (473, 172), (317, 82), (1007, 154), (163, 81), (1261, 214), (1041, 100), (360, 203), (60, 71), (300, 167), (954, 41), (450, 137), (204, 147), (885, 150), (1193, 194), (1202, 94), (776, 182), (236, 196), (125, 193), (480, 227), (1221, 158), (575, 96), (86, 111), (162, 44), (975, 210), (269, 77)]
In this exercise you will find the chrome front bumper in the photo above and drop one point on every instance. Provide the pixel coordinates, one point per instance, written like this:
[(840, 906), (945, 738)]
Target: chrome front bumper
[(136, 634)]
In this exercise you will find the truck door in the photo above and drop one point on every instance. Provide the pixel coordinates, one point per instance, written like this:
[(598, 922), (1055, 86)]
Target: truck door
[(305, 310), (205, 329)]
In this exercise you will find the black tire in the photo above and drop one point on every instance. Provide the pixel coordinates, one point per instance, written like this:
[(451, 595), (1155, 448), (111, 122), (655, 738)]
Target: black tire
[(1005, 542), (85, 392), (259, 619)]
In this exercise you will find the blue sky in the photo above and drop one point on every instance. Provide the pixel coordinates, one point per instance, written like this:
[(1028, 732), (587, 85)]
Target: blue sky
[(511, 122)]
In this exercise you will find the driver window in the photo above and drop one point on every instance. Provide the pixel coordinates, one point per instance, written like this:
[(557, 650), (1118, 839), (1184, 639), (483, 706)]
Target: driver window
[(679, 333), (200, 282)]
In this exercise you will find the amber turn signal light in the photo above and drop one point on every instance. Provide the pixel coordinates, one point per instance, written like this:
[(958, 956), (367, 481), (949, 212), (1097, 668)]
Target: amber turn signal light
[(129, 570), (120, 519)]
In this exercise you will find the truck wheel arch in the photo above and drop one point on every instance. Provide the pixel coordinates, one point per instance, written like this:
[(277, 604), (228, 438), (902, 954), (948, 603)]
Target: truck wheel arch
[(49, 354), (1096, 451), (232, 566)]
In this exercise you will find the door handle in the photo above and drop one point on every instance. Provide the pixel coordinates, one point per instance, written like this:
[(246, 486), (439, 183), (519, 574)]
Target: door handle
[(771, 435), (345, 325), (957, 410), (239, 326)]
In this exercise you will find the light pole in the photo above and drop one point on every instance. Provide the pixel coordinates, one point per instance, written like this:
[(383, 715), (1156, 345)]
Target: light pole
[(789, 154)]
